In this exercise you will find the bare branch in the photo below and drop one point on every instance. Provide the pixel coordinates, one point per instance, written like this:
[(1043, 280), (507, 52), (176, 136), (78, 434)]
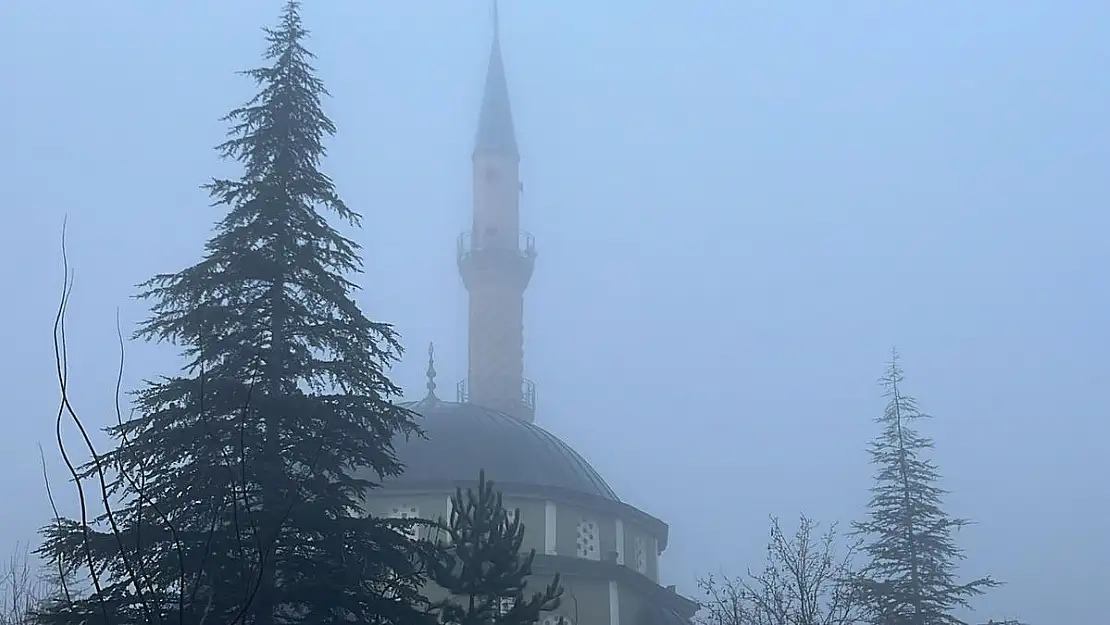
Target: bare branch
[(145, 592), (806, 580), (21, 591)]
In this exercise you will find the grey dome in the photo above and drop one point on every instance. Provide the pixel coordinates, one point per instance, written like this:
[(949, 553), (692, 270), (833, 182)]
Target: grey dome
[(462, 439)]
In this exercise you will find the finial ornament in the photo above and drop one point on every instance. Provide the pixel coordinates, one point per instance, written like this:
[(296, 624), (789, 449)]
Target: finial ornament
[(431, 373)]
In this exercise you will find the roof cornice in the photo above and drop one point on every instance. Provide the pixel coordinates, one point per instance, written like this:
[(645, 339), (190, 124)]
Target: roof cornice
[(581, 567)]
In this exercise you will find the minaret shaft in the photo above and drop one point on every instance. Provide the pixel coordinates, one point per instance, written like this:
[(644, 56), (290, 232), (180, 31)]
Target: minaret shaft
[(496, 202), (496, 350), (496, 258)]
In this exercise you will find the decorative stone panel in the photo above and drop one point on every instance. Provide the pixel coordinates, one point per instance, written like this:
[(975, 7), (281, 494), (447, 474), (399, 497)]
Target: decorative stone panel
[(588, 540)]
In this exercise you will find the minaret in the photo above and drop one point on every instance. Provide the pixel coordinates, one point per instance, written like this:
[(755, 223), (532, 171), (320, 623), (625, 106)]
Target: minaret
[(495, 258)]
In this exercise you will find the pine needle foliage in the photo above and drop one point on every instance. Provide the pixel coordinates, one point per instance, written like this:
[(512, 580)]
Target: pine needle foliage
[(911, 576), (241, 480), (481, 565)]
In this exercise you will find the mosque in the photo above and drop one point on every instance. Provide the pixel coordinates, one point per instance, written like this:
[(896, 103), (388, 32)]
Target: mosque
[(606, 551)]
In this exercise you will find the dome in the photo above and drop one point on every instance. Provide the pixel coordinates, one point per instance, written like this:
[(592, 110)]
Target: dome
[(462, 439)]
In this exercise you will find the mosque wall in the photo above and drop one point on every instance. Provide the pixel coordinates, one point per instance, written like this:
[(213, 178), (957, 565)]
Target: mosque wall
[(532, 516), (585, 601), (410, 506), (630, 606), (438, 505), (587, 605), (641, 552), (578, 532), (584, 533)]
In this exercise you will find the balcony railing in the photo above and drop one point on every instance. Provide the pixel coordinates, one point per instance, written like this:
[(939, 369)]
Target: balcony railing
[(527, 393), (470, 243)]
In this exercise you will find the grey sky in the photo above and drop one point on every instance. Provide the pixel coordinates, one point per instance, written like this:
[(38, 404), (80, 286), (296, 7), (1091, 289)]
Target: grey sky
[(739, 208)]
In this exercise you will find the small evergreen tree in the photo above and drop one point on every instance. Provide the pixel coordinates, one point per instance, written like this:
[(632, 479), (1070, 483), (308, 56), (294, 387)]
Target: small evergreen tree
[(481, 565), (243, 478), (911, 576)]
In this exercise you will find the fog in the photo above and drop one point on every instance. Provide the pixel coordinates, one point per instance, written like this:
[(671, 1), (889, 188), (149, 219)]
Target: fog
[(739, 209)]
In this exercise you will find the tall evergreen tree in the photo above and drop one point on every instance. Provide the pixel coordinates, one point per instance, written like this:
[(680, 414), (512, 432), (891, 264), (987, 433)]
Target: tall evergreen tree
[(911, 577), (240, 496), (481, 565)]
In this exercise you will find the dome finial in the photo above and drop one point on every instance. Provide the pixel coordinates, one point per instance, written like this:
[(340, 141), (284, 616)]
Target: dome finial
[(431, 373)]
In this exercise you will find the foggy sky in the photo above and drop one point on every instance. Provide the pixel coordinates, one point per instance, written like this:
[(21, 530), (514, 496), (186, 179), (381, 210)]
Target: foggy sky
[(739, 208)]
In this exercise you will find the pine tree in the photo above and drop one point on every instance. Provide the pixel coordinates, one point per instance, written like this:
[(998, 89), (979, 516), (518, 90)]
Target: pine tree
[(482, 567), (238, 496), (911, 575)]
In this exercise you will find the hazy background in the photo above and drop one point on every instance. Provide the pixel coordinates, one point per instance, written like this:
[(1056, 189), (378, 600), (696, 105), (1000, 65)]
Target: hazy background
[(739, 206)]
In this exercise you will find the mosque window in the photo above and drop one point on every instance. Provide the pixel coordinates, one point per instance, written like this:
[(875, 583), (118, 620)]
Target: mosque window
[(639, 546), (406, 511), (588, 540)]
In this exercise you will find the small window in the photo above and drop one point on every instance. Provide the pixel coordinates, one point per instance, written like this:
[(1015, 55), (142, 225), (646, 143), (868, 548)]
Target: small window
[(505, 605), (588, 540)]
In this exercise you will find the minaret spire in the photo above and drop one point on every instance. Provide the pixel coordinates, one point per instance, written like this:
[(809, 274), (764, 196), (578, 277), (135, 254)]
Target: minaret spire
[(495, 258), (495, 121), (496, 25)]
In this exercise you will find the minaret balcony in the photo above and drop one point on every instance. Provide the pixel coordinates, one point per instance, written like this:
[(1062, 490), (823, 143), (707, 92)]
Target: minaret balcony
[(526, 398), (491, 241), (490, 257)]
